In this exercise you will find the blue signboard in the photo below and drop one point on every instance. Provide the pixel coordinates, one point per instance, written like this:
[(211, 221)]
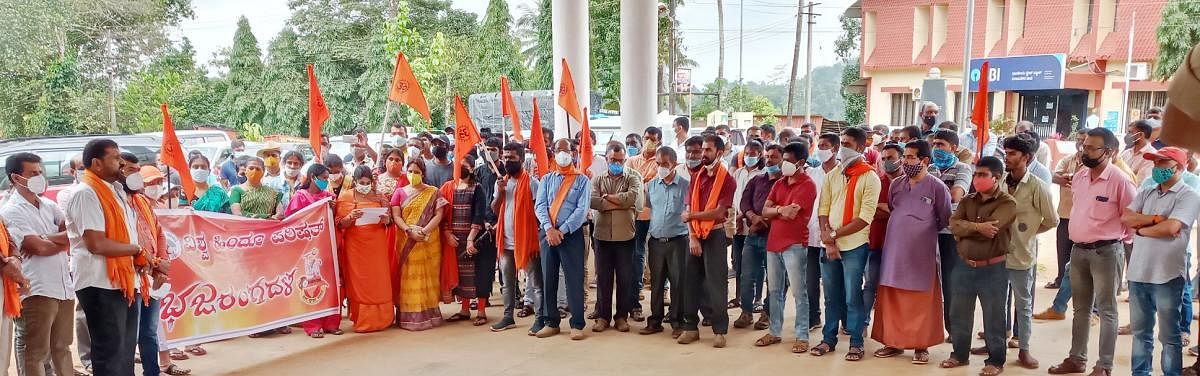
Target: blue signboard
[(1033, 72), (1110, 120)]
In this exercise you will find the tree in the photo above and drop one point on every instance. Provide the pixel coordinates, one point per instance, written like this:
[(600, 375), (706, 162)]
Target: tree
[(534, 28), (285, 109), (245, 70), (172, 78), (1178, 31), (846, 48), (738, 96)]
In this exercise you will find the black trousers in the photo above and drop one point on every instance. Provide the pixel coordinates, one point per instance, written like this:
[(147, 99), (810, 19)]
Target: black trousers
[(707, 284), (666, 258), (485, 266), (614, 260), (948, 253), (113, 323), (1064, 244)]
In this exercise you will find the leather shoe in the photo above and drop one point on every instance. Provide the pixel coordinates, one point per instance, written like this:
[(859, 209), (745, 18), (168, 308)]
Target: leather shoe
[(675, 333), (1068, 366), (548, 332), (600, 326), (688, 336), (1050, 315), (650, 330), (743, 321), (621, 325), (764, 321), (719, 341)]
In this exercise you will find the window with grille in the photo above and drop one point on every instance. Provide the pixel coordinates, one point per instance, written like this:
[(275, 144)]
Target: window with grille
[(903, 110), (1141, 101)]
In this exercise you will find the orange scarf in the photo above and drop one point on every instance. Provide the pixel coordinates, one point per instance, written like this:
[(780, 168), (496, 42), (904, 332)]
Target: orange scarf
[(145, 207), (702, 227), (569, 174), (12, 294), (525, 229), (853, 171), (120, 269)]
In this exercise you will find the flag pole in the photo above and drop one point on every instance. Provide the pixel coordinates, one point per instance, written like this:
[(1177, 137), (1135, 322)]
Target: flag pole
[(387, 113)]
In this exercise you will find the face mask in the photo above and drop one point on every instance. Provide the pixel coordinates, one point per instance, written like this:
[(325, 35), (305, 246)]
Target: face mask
[(943, 159), (693, 163), (36, 184), (414, 178), (254, 176), (1089, 162), (234, 154), (891, 166), (912, 171), (134, 182), (200, 175), (631, 150), (651, 145), (563, 159), (440, 152), (930, 121), (615, 168), (788, 168), (813, 162), (663, 172), (154, 191), (492, 156), (1161, 175), (1132, 138), (773, 170), (335, 177), (751, 161), (847, 154), (290, 173), (363, 188), (512, 168), (272, 162), (397, 140), (321, 184), (822, 155), (983, 184), (413, 151)]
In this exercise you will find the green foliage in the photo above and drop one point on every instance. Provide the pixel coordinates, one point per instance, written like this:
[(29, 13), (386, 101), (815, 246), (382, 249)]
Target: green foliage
[(534, 26), (245, 71), (846, 48), (173, 78), (605, 23), (736, 97), (285, 108), (251, 131), (1178, 31)]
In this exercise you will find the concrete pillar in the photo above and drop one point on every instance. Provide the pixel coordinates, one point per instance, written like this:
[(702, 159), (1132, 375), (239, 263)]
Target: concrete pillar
[(571, 36), (639, 53)]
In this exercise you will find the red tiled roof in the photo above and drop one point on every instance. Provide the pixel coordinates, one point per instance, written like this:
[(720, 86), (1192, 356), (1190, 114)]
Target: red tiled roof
[(1047, 29), (952, 51), (1145, 43), (1084, 49)]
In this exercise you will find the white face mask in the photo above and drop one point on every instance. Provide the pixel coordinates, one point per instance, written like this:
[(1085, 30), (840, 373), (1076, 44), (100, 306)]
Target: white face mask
[(822, 155), (563, 159), (847, 154), (155, 191), (787, 168), (290, 173), (413, 151), (336, 178), (199, 175), (134, 182), (663, 172), (36, 184), (363, 188)]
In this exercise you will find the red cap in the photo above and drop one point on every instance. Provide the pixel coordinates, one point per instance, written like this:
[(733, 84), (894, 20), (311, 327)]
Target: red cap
[(1170, 152)]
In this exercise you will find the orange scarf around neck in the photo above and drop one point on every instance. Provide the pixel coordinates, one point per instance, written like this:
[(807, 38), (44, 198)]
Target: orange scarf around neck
[(703, 227), (120, 269), (569, 174), (525, 229), (853, 171), (12, 293)]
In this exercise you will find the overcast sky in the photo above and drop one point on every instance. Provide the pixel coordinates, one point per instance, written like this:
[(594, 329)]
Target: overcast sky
[(768, 32)]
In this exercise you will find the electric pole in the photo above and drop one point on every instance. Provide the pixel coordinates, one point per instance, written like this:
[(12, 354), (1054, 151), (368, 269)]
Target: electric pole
[(671, 58), (741, 42), (808, 69), (800, 13)]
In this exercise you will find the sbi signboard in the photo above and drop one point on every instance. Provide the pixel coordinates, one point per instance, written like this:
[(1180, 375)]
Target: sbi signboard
[(1013, 73)]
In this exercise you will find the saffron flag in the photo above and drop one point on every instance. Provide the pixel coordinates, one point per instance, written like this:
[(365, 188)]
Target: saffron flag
[(465, 134), (172, 155), (566, 94), (318, 113), (979, 112), (537, 142), (405, 88), (585, 146), (509, 108)]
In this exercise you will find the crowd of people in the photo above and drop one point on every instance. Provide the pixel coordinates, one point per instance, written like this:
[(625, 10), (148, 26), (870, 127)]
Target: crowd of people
[(818, 214)]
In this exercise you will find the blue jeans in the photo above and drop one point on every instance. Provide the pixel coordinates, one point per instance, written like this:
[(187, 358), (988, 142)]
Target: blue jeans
[(1063, 296), (783, 268), (874, 257), (147, 338), (1185, 319), (640, 229), (1148, 301), (568, 256), (843, 281), (750, 280), (988, 284)]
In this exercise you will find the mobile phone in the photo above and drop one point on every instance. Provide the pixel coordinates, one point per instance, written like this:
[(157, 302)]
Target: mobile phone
[(349, 139)]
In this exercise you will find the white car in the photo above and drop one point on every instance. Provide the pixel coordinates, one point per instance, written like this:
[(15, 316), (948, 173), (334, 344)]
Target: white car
[(189, 138)]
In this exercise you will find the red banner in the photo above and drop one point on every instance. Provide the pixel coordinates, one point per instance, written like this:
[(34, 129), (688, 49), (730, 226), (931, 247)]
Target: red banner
[(232, 276)]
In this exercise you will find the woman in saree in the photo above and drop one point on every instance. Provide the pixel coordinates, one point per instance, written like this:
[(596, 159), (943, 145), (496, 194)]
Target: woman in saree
[(209, 197), (392, 176), (310, 191), (465, 213), (367, 270), (417, 210), (253, 199)]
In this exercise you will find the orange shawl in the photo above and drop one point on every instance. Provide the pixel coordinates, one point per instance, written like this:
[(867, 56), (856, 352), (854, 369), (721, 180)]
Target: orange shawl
[(702, 227), (569, 174), (525, 237), (853, 171), (449, 279), (12, 294), (120, 269)]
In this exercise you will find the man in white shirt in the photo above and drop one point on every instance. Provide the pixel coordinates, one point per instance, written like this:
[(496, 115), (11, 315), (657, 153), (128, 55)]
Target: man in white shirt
[(110, 310), (38, 229), (1093, 120)]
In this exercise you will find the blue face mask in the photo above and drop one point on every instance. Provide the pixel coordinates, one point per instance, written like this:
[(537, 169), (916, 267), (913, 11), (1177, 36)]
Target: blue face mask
[(322, 184), (943, 159), (615, 168), (751, 161), (1161, 175), (631, 150), (813, 162), (774, 170)]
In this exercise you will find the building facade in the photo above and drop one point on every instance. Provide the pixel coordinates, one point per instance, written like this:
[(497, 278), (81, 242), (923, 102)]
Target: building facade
[(1062, 59)]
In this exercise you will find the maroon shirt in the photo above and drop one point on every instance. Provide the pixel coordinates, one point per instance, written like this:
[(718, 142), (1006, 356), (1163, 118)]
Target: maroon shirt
[(788, 232), (706, 183), (755, 196), (879, 224)]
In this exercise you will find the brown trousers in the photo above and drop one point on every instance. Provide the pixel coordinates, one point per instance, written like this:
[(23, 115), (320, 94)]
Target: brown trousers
[(49, 330)]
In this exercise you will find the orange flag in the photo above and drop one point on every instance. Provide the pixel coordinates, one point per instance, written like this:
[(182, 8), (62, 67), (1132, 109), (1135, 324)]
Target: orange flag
[(318, 113), (585, 146), (466, 136), (405, 88), (566, 94), (509, 108), (537, 142), (979, 112), (172, 155)]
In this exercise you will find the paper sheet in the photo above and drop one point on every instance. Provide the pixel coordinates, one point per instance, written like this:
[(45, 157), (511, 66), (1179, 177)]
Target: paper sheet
[(370, 216)]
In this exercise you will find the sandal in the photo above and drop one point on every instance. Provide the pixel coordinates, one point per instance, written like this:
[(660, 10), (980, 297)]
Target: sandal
[(854, 354), (887, 352), (196, 350), (317, 334), (174, 370), (733, 303), (951, 363), (458, 317), (821, 349), (479, 320), (920, 357), (284, 330), (337, 332), (990, 370), (767, 340), (177, 355), (799, 347)]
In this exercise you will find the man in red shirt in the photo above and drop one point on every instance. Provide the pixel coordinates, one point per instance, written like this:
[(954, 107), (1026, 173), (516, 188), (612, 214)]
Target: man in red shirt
[(708, 201), (788, 208)]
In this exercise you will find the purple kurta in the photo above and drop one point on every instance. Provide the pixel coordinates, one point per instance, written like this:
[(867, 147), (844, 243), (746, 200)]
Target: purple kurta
[(910, 248)]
